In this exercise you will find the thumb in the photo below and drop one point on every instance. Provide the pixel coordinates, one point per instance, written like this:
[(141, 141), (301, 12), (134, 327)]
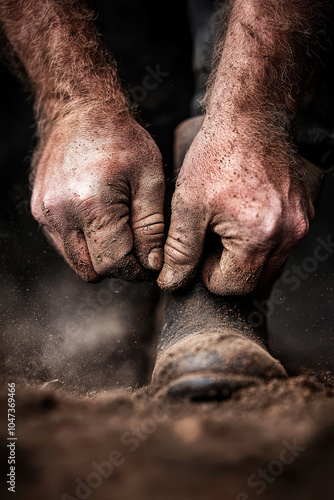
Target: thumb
[(147, 223), (184, 245), (236, 271)]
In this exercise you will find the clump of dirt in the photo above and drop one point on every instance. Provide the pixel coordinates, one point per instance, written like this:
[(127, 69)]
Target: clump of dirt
[(272, 441)]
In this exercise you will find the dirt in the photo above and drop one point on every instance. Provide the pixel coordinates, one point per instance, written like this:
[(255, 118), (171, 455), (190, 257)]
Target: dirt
[(274, 441)]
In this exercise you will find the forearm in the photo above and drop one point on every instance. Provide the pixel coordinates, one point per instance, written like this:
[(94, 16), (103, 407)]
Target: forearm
[(66, 63), (262, 57)]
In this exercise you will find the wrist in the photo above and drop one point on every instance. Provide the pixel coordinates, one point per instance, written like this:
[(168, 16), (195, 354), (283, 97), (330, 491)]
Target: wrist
[(258, 138), (225, 118), (106, 104), (261, 58), (251, 87), (66, 63)]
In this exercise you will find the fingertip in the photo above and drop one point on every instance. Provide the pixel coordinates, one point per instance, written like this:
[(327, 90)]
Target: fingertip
[(155, 259), (172, 279), (166, 279)]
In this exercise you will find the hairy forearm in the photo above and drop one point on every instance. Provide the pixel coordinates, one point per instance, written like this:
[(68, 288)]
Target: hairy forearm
[(262, 57), (66, 63)]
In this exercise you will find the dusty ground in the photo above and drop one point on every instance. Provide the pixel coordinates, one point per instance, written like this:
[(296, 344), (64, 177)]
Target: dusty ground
[(271, 442)]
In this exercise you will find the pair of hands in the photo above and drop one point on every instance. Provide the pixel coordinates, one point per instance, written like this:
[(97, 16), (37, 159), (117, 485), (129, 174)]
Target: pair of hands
[(99, 190)]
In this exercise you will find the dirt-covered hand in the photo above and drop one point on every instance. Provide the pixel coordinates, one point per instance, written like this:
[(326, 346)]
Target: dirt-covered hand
[(246, 186), (98, 193)]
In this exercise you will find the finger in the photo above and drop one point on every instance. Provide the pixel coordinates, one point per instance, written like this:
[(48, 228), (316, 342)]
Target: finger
[(74, 249), (184, 245), (147, 224), (75, 252), (110, 244), (236, 271), (68, 242)]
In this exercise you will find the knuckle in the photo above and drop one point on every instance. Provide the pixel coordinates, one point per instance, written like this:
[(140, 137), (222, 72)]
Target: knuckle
[(96, 217), (263, 224), (301, 228), (53, 213), (50, 210), (48, 207), (91, 189), (83, 202), (267, 232), (36, 210)]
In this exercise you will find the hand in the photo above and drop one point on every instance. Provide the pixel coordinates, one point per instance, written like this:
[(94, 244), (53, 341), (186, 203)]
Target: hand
[(98, 193), (246, 184)]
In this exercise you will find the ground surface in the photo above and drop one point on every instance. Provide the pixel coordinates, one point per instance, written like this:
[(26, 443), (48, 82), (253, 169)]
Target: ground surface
[(53, 326), (275, 441)]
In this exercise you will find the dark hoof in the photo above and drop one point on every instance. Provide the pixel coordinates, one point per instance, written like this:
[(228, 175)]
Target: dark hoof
[(207, 367), (203, 387)]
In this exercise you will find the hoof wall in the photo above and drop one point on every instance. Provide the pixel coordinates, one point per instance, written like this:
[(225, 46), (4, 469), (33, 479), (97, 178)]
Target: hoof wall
[(204, 388)]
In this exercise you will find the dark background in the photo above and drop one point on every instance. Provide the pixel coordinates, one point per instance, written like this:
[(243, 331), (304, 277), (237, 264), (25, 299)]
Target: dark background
[(90, 336)]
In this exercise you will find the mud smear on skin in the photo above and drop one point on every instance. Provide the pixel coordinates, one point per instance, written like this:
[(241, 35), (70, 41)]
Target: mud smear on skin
[(186, 450)]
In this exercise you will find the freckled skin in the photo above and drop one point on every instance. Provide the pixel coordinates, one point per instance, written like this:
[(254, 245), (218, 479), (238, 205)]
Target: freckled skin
[(242, 178), (260, 214), (99, 196), (98, 181)]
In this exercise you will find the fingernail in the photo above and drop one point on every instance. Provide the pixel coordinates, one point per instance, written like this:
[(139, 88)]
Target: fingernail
[(155, 259), (166, 276)]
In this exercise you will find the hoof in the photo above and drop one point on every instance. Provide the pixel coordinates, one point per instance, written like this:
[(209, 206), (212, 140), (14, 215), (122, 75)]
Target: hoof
[(213, 366)]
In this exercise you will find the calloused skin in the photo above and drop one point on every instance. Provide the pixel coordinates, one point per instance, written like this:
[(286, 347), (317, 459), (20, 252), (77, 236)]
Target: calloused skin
[(98, 193)]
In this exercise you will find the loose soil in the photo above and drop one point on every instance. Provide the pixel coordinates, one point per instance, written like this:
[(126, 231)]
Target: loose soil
[(274, 441)]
